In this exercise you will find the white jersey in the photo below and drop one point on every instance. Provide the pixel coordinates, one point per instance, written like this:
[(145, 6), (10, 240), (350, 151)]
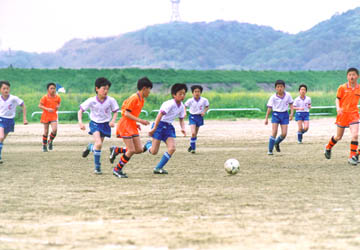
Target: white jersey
[(280, 104), (171, 110), (100, 112), (302, 103), (197, 106), (8, 106)]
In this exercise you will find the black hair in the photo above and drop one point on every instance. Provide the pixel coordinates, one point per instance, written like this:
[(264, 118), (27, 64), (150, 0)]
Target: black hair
[(144, 82), (102, 81), (279, 82), (196, 87), (4, 82), (353, 70), (303, 86), (50, 84), (177, 87)]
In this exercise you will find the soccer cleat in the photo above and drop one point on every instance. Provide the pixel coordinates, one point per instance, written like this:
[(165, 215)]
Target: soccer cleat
[(299, 142), (86, 151), (97, 170), (147, 145), (50, 145), (112, 154), (353, 161), (119, 173), (357, 158), (270, 153), (327, 153), (44, 149), (1, 161), (277, 147), (190, 149), (160, 171)]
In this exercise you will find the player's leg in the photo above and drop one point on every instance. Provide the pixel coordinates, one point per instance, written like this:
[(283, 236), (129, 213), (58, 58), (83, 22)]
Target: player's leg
[(354, 130), (170, 144), (54, 126), (334, 139), (45, 137), (2, 139), (194, 131), (98, 140), (281, 137), (274, 131), (300, 131), (125, 158), (152, 146)]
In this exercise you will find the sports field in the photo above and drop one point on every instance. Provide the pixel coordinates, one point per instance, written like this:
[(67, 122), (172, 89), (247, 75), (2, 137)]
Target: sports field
[(295, 199)]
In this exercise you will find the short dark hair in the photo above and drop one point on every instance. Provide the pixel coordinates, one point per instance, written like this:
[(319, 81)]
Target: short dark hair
[(144, 82), (303, 86), (177, 87), (196, 87), (279, 82), (353, 70), (102, 81), (50, 84), (4, 82)]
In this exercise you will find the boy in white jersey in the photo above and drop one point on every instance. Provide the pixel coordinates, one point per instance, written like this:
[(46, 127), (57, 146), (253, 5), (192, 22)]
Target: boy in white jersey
[(8, 104), (302, 105), (163, 130), (101, 106), (198, 106), (279, 103)]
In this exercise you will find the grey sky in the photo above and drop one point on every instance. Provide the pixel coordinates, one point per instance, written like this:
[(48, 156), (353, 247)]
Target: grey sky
[(45, 25)]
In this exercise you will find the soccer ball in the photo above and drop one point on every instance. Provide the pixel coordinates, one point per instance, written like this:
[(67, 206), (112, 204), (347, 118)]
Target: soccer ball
[(232, 166)]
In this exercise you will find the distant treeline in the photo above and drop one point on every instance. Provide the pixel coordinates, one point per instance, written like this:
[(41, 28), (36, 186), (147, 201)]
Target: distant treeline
[(124, 80)]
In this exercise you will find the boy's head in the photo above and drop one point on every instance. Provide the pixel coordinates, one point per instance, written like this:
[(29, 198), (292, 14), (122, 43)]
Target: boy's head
[(102, 82), (51, 88), (196, 91), (280, 86), (303, 86), (352, 75), (4, 88), (178, 91), (145, 85)]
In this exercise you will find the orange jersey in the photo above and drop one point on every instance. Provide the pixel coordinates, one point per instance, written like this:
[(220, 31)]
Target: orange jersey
[(50, 102), (348, 97), (127, 127)]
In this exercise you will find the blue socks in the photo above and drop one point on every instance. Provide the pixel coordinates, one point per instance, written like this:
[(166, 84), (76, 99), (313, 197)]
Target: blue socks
[(279, 139), (97, 154), (165, 158), (300, 136), (193, 142), (1, 146), (271, 143)]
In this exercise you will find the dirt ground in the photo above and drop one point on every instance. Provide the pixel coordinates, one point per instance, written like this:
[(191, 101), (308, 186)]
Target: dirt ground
[(295, 199)]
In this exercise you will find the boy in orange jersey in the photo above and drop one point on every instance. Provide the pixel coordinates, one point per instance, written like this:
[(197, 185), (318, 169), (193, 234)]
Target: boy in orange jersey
[(50, 104), (127, 127), (347, 99)]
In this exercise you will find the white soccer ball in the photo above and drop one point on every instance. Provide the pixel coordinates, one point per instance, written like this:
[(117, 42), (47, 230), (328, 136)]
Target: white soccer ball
[(232, 166)]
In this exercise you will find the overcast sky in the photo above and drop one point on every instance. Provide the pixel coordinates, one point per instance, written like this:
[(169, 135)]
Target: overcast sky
[(45, 25)]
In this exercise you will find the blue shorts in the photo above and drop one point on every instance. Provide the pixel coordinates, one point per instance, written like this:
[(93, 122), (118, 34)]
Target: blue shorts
[(302, 116), (103, 128), (164, 131), (281, 118), (7, 124), (197, 120)]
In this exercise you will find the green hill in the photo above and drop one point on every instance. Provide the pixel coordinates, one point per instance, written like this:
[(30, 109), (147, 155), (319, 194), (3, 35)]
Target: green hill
[(330, 45)]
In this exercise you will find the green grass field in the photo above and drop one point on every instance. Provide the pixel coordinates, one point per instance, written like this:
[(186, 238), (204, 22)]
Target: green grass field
[(295, 199)]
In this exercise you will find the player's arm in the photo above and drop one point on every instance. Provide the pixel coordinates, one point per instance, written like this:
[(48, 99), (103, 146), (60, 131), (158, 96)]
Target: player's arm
[(137, 119), (291, 111), (267, 115), (156, 124), (205, 110), (112, 122), (338, 108), (24, 114), (182, 126), (80, 114), (42, 106)]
